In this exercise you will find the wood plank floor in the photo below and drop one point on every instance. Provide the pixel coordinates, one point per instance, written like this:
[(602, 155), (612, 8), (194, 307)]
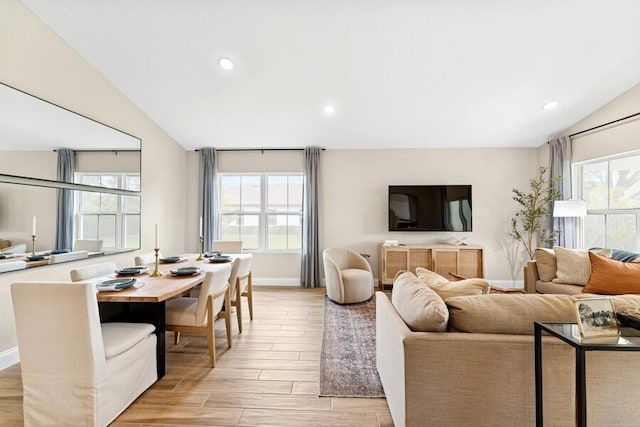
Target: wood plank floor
[(270, 377)]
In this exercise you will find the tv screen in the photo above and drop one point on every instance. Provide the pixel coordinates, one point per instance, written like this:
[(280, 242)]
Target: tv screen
[(430, 208)]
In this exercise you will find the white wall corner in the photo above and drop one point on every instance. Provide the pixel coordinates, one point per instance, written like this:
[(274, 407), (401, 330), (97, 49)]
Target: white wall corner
[(9, 357)]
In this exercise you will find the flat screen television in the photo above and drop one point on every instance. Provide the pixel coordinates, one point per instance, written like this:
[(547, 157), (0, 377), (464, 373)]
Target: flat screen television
[(430, 208)]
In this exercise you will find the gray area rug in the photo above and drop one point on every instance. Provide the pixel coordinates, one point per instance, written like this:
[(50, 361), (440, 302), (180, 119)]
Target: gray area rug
[(348, 357)]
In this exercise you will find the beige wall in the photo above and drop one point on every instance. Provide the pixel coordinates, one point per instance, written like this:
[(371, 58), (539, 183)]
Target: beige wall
[(36, 60)]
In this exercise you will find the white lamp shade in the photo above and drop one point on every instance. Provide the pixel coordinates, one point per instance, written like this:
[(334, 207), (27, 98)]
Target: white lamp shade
[(569, 208)]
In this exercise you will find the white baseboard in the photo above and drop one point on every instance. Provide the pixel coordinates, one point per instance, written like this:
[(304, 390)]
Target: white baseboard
[(9, 357)]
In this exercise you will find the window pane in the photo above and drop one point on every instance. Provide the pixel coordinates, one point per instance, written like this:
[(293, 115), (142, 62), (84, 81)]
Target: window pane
[(249, 231), (295, 193), (621, 232), (90, 202), (90, 180), (595, 184), (625, 183), (284, 232), (109, 181), (277, 193), (229, 227), (108, 203), (107, 224), (132, 231), (89, 224), (250, 197), (295, 232), (132, 182), (132, 204), (594, 231), (230, 193)]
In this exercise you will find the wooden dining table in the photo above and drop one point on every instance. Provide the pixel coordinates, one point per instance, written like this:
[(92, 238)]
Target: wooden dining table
[(147, 303)]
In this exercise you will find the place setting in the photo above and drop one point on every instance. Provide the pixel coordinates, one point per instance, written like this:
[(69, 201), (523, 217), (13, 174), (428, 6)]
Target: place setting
[(131, 271), (185, 271), (217, 257), (116, 285), (171, 259)]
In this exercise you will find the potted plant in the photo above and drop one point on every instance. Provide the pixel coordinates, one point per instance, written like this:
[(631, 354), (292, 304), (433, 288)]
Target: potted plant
[(526, 226)]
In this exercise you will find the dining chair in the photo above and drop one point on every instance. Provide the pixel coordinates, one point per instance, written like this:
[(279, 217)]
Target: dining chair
[(75, 370), (88, 245), (241, 283), (12, 266), (144, 259), (197, 315), (68, 256), (92, 271), (15, 249), (227, 246)]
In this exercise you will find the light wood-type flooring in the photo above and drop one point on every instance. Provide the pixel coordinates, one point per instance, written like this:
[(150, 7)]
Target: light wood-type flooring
[(269, 378)]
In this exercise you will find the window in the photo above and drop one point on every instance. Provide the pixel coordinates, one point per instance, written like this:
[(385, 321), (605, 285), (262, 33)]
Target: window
[(113, 218), (262, 210), (611, 190)]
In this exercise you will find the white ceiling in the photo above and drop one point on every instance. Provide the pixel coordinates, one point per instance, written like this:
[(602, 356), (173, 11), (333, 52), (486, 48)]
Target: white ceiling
[(405, 73)]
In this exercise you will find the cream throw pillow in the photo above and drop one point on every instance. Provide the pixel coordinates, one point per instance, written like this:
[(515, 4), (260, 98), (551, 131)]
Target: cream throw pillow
[(574, 267), (419, 306), (546, 263), (447, 289)]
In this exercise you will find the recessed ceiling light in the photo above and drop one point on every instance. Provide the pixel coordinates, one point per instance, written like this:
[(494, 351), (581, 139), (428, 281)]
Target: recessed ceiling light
[(329, 110), (225, 64), (550, 105)]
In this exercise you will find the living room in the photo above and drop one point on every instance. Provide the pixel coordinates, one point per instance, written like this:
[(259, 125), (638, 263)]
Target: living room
[(354, 180)]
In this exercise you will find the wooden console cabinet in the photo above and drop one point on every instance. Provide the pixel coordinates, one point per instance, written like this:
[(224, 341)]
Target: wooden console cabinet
[(465, 260)]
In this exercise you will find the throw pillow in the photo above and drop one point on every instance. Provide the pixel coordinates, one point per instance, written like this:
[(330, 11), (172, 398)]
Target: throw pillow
[(418, 305), (447, 289), (430, 277), (611, 277), (546, 263), (574, 267)]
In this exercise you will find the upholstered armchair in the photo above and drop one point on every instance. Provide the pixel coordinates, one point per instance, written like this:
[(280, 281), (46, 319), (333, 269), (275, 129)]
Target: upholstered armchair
[(348, 276), (76, 371)]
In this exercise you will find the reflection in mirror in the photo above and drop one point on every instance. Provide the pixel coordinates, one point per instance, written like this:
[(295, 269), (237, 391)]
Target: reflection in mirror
[(31, 129), (112, 218)]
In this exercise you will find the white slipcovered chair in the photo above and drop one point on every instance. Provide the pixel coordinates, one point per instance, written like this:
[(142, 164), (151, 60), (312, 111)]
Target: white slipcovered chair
[(197, 315), (69, 256), (75, 371), (88, 245), (15, 249), (92, 271), (12, 266), (227, 246), (348, 276), (241, 284)]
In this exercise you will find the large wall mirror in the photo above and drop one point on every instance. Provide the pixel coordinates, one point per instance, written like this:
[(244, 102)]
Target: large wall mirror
[(97, 199)]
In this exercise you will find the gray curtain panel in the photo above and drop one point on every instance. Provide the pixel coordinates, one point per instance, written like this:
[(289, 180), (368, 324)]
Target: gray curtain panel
[(560, 165), (64, 227), (208, 196), (310, 272)]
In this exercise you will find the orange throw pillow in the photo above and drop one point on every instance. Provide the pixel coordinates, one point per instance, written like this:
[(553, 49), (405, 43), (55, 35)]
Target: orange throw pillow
[(611, 277)]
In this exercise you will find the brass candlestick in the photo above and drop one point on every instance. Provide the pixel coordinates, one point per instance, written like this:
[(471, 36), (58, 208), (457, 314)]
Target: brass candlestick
[(33, 245), (156, 272), (200, 258)]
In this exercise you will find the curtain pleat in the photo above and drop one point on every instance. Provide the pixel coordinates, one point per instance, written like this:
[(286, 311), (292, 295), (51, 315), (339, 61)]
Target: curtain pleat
[(560, 165), (64, 223), (310, 271), (208, 196)]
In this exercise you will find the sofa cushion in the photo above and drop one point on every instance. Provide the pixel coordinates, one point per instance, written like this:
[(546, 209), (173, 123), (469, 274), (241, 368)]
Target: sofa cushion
[(546, 263), (447, 289), (507, 313), (611, 277), (418, 305), (574, 267)]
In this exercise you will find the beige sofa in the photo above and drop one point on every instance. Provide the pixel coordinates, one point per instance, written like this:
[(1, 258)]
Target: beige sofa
[(480, 370)]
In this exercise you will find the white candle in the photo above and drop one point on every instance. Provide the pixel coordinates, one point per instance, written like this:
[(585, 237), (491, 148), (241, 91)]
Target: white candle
[(200, 226), (156, 246), (33, 228)]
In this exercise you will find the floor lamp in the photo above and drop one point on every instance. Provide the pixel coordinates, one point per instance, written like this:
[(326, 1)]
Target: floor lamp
[(573, 208)]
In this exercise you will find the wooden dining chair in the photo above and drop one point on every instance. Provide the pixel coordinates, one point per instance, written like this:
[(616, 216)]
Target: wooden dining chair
[(227, 246), (92, 271), (241, 284), (197, 315)]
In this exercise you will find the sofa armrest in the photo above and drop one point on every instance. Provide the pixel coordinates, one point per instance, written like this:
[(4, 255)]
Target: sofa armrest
[(531, 276)]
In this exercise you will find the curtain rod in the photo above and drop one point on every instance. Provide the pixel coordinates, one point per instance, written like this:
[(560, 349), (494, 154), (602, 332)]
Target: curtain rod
[(603, 125), (101, 151), (259, 149)]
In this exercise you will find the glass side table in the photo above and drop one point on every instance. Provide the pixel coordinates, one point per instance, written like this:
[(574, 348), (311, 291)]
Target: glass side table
[(629, 340)]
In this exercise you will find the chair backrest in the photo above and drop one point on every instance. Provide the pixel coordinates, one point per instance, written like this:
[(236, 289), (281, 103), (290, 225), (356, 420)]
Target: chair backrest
[(69, 256), (144, 259), (12, 266), (88, 245), (213, 283), (16, 249), (345, 258), (92, 271), (240, 269), (227, 246), (58, 329)]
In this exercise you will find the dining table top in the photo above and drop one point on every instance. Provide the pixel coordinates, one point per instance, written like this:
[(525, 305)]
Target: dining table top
[(164, 287)]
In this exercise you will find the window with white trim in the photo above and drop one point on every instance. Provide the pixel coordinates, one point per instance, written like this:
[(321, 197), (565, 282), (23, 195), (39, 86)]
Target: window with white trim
[(113, 218), (263, 210), (611, 190)]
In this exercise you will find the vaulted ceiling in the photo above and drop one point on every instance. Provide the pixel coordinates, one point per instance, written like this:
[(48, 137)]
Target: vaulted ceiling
[(407, 73)]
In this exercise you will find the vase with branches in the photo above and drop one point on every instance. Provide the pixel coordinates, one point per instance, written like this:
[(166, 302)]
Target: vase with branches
[(534, 206)]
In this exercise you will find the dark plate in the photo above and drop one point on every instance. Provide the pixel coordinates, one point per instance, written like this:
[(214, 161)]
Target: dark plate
[(170, 259), (35, 257), (220, 258), (116, 284), (185, 271), (130, 271), (2, 256), (59, 251)]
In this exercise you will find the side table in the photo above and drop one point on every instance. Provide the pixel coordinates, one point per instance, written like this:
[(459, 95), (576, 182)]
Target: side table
[(629, 340)]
